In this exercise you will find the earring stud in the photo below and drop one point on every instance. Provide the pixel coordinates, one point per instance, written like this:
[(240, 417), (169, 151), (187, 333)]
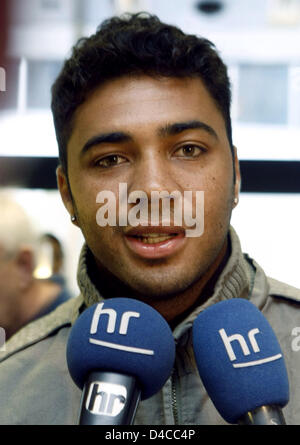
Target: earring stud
[(73, 218)]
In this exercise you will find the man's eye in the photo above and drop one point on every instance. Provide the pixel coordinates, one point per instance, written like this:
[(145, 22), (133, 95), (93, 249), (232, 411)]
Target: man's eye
[(110, 161), (189, 151)]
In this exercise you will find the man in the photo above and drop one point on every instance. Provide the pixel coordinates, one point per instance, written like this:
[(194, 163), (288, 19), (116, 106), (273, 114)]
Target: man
[(142, 104), (23, 297)]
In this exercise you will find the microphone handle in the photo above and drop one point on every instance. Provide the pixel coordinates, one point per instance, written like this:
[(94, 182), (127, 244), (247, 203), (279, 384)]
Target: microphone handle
[(264, 415), (109, 398)]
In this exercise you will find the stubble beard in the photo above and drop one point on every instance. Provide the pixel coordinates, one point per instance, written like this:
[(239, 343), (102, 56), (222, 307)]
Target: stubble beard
[(166, 282)]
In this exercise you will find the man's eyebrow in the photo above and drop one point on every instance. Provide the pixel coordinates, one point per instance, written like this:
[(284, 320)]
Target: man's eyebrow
[(179, 127), (167, 130), (112, 137)]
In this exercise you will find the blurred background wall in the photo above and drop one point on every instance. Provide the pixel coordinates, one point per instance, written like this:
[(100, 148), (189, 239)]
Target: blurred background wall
[(260, 42)]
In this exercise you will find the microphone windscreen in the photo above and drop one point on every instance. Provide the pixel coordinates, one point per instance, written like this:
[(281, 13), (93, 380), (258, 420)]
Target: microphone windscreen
[(125, 336), (239, 359)]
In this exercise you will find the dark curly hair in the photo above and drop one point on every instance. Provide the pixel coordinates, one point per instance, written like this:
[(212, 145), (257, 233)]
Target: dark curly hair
[(135, 44)]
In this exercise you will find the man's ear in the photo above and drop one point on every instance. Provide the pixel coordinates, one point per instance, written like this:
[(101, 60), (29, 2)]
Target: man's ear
[(237, 185), (65, 193)]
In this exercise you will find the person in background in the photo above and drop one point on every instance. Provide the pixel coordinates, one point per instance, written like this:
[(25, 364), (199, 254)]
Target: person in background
[(57, 253), (23, 297), (55, 263)]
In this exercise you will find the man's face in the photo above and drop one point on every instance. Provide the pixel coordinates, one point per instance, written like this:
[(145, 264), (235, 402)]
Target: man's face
[(131, 134)]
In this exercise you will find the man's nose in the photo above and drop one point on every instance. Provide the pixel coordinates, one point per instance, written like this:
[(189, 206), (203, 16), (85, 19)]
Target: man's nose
[(153, 173)]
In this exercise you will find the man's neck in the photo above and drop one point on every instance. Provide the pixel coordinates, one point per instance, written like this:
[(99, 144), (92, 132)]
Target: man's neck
[(173, 308)]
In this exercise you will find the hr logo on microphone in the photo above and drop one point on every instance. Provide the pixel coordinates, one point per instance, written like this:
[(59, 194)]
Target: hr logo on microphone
[(227, 340), (106, 399), (111, 328)]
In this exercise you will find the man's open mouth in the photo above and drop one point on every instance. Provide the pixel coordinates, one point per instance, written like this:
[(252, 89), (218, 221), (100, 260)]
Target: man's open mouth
[(154, 238), (154, 242)]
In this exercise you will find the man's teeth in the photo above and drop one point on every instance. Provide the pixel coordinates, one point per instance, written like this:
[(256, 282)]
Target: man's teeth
[(153, 238)]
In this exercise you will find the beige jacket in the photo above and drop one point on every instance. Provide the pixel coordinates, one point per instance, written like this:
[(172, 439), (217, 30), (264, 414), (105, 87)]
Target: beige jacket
[(36, 389)]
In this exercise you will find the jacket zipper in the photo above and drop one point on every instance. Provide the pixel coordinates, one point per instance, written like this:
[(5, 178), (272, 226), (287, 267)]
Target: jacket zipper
[(174, 398)]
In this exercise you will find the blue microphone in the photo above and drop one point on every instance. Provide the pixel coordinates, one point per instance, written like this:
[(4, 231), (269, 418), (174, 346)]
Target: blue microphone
[(119, 351), (241, 363)]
